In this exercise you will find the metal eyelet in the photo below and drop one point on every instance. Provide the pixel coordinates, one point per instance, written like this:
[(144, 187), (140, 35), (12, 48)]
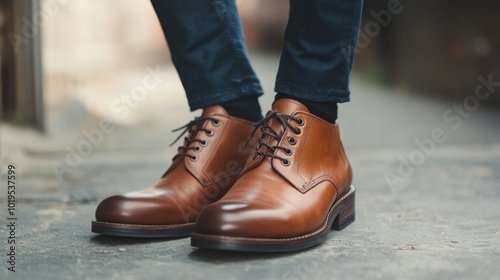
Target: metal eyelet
[(210, 133), (285, 162), (216, 123), (197, 149), (301, 122), (203, 143), (292, 141), (288, 152), (193, 158), (255, 156)]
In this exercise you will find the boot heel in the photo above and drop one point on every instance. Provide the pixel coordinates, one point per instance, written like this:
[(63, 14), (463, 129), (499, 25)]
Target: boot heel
[(346, 215)]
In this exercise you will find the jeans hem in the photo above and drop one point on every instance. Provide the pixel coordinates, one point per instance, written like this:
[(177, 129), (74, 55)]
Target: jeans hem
[(332, 95)]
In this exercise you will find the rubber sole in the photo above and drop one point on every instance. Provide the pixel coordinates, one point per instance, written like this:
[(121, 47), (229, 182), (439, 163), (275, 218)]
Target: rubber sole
[(142, 231), (340, 215)]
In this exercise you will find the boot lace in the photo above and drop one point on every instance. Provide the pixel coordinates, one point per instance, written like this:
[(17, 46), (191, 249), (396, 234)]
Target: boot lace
[(267, 131), (192, 128)]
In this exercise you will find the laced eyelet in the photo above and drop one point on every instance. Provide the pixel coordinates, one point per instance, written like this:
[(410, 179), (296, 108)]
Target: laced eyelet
[(193, 158), (292, 141), (285, 162), (210, 133), (197, 149), (216, 123), (299, 131), (255, 156), (203, 143), (288, 152), (300, 122)]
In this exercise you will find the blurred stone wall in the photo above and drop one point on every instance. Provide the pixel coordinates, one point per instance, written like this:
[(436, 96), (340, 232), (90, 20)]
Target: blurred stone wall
[(92, 41), (264, 22), (95, 41), (425, 46)]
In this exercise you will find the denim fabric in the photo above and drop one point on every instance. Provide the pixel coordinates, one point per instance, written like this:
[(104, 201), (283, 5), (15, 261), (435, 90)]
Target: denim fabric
[(318, 49), (208, 49)]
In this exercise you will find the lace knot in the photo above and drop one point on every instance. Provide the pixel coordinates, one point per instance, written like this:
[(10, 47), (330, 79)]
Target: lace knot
[(267, 131)]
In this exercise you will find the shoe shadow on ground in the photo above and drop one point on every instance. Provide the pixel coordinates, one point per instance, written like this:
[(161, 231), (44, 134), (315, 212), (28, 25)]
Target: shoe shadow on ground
[(117, 240), (219, 256), (201, 255)]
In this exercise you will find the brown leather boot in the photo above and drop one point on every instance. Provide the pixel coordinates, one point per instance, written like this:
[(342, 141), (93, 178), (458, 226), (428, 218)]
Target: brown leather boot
[(205, 168), (293, 189)]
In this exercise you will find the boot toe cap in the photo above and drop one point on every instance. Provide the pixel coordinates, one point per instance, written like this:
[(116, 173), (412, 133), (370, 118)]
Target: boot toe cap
[(244, 220), (131, 209)]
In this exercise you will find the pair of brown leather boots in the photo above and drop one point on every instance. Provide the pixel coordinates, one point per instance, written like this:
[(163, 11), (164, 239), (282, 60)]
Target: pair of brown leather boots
[(278, 186)]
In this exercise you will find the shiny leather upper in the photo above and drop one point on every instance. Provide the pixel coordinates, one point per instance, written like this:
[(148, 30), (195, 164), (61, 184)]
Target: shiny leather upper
[(191, 182), (285, 194)]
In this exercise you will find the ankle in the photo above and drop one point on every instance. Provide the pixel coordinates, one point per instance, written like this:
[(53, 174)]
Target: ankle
[(246, 107), (325, 110)]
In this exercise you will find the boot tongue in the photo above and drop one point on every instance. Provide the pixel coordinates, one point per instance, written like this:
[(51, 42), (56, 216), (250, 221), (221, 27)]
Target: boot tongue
[(289, 106), (207, 112), (216, 109)]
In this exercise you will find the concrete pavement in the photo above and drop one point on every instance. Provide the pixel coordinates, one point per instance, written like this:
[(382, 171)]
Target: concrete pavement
[(428, 195)]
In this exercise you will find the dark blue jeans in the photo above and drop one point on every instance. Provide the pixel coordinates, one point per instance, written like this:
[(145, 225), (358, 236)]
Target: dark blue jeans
[(208, 50)]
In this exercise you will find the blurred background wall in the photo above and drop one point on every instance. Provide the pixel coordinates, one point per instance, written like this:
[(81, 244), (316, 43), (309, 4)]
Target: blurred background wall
[(438, 47), (430, 47)]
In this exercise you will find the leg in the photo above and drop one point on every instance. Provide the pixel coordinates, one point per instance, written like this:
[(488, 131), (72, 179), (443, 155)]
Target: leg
[(318, 53), (318, 50), (297, 184), (208, 50)]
